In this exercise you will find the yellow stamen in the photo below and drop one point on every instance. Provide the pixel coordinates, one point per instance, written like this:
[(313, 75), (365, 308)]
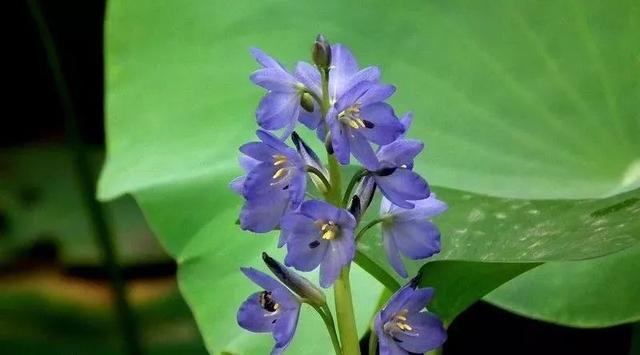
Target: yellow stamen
[(329, 234), (279, 159), (280, 172)]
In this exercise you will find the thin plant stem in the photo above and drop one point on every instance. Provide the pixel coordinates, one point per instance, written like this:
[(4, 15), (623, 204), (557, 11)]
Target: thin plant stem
[(327, 318), (320, 175), (368, 226), (345, 314), (352, 183), (85, 177), (373, 342)]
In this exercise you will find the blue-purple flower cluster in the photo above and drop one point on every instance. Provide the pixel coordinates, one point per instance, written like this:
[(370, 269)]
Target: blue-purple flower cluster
[(346, 107)]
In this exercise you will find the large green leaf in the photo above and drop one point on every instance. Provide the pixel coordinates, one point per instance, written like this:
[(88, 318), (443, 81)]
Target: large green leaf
[(519, 99), (592, 293)]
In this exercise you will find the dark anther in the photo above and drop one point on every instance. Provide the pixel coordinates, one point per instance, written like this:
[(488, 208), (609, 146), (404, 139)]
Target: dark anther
[(286, 187), (314, 244), (368, 124), (385, 171), (415, 282), (267, 302), (274, 321)]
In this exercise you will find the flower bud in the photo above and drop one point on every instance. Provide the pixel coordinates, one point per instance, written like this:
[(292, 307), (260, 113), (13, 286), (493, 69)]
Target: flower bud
[(363, 197), (306, 101), (322, 53), (298, 284)]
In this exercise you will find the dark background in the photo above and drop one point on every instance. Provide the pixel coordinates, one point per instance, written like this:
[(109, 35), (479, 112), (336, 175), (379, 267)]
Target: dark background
[(33, 115)]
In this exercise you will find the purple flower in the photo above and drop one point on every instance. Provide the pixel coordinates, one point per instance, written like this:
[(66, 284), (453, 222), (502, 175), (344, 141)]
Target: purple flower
[(281, 106), (360, 116), (402, 326), (274, 310), (275, 183), (408, 231), (344, 74), (319, 234), (394, 176)]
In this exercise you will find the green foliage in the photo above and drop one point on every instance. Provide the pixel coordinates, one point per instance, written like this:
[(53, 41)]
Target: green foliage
[(526, 100)]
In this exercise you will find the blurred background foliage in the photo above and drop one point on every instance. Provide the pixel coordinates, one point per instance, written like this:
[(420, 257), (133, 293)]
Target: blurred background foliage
[(531, 116)]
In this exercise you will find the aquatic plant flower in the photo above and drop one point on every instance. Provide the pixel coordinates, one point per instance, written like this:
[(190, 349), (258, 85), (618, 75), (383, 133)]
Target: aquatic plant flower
[(274, 310), (287, 95), (404, 327), (394, 175), (344, 74), (319, 234), (408, 231), (275, 184), (360, 117)]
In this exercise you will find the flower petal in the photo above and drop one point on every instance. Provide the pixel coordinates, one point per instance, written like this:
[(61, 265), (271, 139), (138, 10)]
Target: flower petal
[(362, 151), (258, 151), (391, 249), (428, 333), (284, 330), (311, 119), (305, 254), (386, 127), (247, 163), (403, 185), (264, 59), (400, 152), (419, 299), (371, 74), (340, 252), (417, 239), (258, 181), (339, 137), (396, 302), (343, 67), (376, 93), (406, 121), (278, 109), (262, 213), (309, 76), (252, 317), (320, 210), (274, 79), (237, 184), (425, 208)]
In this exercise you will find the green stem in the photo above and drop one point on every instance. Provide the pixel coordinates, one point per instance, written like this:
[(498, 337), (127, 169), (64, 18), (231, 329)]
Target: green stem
[(333, 195), (320, 175), (325, 314), (344, 313), (369, 225), (373, 342), (352, 183), (126, 319)]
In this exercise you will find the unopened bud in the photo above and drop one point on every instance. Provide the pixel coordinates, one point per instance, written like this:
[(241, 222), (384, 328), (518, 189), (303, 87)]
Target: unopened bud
[(306, 101), (298, 284), (322, 53)]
